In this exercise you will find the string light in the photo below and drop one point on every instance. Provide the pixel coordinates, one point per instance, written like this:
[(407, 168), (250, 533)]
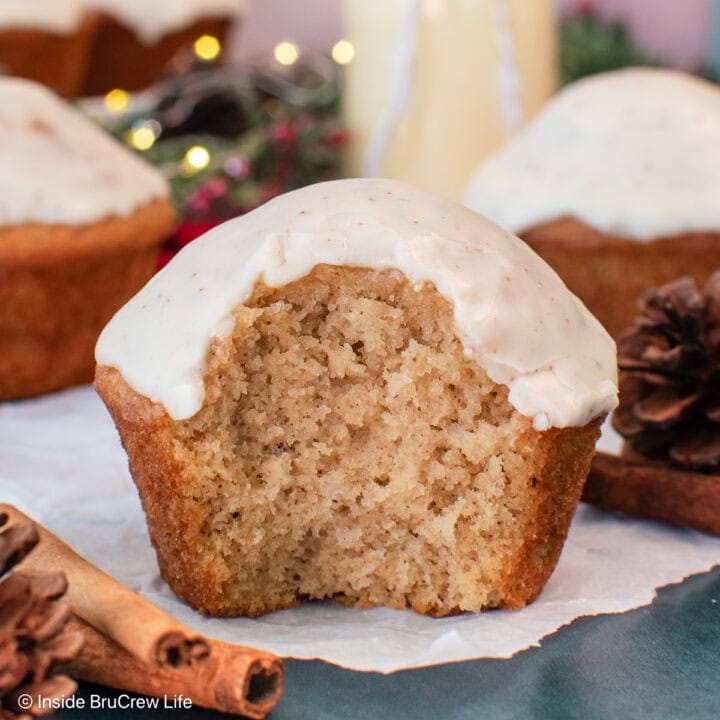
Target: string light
[(142, 135), (286, 53), (207, 48), (116, 101), (196, 158), (343, 52)]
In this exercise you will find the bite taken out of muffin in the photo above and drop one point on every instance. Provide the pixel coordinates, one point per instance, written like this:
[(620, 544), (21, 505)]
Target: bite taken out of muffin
[(359, 391)]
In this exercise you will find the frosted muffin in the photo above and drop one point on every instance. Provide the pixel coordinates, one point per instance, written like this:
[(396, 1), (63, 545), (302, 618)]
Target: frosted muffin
[(135, 39), (616, 185), (359, 391), (81, 223), (46, 41)]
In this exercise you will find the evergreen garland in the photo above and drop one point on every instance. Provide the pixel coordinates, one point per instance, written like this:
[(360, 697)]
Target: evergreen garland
[(590, 45)]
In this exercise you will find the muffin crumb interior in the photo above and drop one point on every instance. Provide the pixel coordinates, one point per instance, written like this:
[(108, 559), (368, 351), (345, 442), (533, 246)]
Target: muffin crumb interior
[(349, 448)]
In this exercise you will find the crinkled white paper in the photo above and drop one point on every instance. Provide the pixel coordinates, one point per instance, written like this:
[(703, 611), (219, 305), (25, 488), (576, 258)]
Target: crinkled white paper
[(61, 461)]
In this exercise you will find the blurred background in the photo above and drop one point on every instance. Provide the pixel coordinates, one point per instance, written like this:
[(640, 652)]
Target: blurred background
[(239, 100), (680, 33)]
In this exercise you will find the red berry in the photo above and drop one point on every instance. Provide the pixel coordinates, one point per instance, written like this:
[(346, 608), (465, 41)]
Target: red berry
[(270, 190), (283, 132), (336, 138), (199, 202), (164, 258), (214, 188), (238, 167)]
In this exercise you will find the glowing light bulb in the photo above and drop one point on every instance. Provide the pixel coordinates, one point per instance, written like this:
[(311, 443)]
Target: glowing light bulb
[(207, 48), (196, 158), (142, 136), (286, 53), (343, 52), (116, 101)]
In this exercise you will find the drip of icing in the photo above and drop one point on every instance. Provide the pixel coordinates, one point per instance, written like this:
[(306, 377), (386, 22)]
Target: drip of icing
[(60, 17), (512, 312), (633, 153), (151, 20), (508, 75), (399, 86), (58, 167)]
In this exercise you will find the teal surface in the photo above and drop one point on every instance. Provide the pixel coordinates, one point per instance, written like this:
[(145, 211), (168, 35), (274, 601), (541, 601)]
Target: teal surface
[(660, 661)]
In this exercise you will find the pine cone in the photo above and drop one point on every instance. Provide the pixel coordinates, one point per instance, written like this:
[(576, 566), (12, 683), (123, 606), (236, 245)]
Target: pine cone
[(32, 621), (670, 376)]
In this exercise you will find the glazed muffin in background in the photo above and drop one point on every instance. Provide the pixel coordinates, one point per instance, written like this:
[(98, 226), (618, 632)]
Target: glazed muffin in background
[(81, 224), (615, 185), (46, 41), (134, 40), (359, 391)]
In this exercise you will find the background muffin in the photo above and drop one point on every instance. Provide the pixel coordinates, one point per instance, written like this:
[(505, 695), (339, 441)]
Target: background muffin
[(46, 41), (134, 39), (615, 184), (81, 222)]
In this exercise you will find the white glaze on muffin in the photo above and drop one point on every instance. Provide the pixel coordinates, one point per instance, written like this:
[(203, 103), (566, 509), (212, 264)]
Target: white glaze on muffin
[(633, 153), (512, 312), (60, 17), (58, 167)]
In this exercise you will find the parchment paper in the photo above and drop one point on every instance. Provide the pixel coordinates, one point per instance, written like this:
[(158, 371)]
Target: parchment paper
[(61, 461)]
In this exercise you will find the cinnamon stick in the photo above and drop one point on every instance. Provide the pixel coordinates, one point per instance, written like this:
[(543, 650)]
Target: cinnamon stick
[(153, 636), (133, 645), (246, 683), (654, 491)]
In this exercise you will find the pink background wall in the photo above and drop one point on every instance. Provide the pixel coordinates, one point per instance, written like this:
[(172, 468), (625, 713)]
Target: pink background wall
[(316, 23), (677, 31)]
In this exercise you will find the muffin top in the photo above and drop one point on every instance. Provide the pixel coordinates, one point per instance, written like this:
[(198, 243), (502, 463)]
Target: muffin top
[(633, 153), (58, 167), (512, 312), (60, 17), (151, 20)]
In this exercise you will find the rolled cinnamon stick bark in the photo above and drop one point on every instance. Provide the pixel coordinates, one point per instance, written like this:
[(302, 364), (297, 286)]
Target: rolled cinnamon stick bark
[(133, 645), (152, 636), (654, 491), (232, 679)]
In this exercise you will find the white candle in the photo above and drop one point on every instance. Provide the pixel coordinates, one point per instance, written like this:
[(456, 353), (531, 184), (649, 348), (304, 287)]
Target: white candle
[(437, 85)]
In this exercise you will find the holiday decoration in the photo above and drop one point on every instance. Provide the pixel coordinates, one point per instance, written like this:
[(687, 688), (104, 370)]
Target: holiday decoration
[(230, 139), (435, 87), (590, 45), (33, 636), (682, 35), (670, 376)]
